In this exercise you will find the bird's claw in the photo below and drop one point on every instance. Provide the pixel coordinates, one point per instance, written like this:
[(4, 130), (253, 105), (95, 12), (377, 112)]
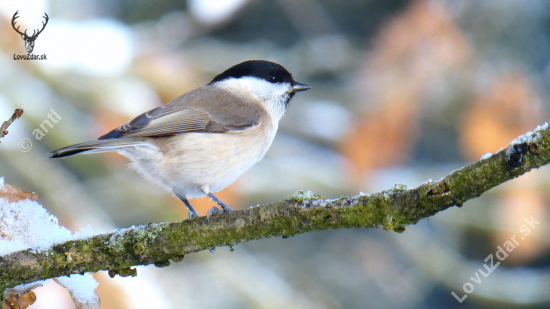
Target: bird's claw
[(216, 210), (192, 214), (213, 210)]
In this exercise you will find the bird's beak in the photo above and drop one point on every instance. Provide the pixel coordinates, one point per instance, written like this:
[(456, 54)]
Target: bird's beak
[(297, 87)]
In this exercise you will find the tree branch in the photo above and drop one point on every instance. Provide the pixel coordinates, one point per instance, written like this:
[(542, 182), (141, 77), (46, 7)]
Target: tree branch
[(303, 212)]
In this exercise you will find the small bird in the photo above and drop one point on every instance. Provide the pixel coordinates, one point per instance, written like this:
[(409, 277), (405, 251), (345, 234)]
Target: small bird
[(202, 141)]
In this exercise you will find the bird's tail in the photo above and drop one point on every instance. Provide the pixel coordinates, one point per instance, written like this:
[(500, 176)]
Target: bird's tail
[(97, 146)]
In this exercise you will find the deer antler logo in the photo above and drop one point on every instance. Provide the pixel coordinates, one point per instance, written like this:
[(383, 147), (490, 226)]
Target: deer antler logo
[(29, 40)]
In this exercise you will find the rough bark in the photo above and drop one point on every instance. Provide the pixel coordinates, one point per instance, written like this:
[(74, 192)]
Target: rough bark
[(302, 212)]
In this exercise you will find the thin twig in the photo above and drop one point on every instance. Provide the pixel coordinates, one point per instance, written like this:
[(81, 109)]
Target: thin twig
[(4, 127)]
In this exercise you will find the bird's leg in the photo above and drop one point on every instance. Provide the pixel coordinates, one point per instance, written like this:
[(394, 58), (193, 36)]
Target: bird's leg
[(192, 212), (214, 209)]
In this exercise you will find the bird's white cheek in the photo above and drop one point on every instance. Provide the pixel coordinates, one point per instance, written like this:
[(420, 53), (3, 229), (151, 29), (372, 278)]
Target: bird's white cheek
[(276, 109), (275, 98), (273, 95)]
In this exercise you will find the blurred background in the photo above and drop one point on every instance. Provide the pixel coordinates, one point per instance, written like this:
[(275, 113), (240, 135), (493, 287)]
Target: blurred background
[(403, 92)]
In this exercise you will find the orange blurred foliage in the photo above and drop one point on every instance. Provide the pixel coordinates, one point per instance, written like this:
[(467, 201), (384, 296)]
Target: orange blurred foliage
[(416, 49), (203, 204), (498, 115), (515, 205), (112, 295), (168, 73)]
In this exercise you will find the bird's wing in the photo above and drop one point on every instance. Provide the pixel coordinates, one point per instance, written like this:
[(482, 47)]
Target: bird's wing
[(208, 110)]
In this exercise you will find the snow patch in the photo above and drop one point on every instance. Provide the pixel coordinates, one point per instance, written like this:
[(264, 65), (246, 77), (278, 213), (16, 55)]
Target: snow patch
[(486, 156), (81, 287), (529, 137), (26, 224), (525, 143), (24, 288)]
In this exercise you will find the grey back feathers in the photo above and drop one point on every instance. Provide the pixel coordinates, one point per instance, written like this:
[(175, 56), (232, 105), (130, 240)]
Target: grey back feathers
[(207, 110)]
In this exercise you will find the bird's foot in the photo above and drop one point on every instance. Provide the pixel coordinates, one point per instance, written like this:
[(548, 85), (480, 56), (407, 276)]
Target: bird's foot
[(193, 214), (213, 210), (223, 205)]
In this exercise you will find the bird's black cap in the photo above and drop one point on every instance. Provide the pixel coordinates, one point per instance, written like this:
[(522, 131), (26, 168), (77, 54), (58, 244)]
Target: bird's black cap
[(270, 71)]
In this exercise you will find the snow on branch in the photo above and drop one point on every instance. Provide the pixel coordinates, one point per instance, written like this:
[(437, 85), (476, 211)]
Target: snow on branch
[(161, 243), (26, 224)]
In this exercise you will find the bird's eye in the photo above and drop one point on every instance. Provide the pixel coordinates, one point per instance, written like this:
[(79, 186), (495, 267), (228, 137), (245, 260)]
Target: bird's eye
[(272, 78)]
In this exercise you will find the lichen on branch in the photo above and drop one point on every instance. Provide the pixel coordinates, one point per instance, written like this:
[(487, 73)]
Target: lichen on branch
[(161, 243)]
